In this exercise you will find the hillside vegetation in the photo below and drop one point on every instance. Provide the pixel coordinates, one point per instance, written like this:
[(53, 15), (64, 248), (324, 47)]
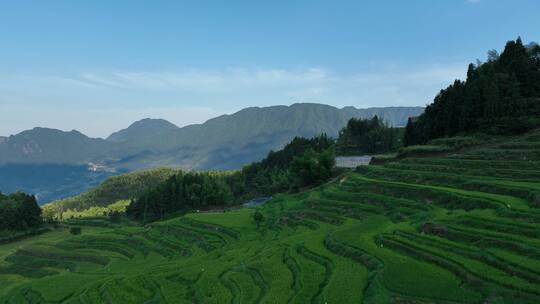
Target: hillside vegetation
[(52, 164), (19, 211), (500, 96), (301, 163), (458, 228), (368, 136), (153, 194), (113, 189)]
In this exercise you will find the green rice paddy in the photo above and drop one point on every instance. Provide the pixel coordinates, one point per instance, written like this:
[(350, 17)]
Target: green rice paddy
[(459, 228)]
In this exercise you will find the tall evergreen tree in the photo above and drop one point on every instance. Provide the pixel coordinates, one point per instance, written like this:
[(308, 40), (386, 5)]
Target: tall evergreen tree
[(19, 211), (499, 96)]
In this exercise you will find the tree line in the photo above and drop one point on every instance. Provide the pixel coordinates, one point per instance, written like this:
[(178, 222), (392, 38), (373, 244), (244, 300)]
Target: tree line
[(499, 96), (301, 163), (183, 191), (18, 212), (368, 136)]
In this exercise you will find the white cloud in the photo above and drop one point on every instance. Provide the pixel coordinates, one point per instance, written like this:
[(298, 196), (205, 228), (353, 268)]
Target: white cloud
[(98, 103)]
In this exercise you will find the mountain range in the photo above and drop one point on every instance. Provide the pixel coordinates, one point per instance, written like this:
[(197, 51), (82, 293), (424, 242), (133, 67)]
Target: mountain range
[(221, 143)]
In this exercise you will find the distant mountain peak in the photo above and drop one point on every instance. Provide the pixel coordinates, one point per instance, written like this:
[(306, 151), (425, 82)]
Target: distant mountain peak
[(222, 143), (310, 104), (50, 146), (143, 128), (225, 142), (152, 122), (42, 131)]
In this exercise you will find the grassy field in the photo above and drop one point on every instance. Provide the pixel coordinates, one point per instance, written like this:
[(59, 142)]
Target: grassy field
[(459, 228)]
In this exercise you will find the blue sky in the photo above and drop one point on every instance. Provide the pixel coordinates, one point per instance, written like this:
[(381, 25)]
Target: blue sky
[(97, 66)]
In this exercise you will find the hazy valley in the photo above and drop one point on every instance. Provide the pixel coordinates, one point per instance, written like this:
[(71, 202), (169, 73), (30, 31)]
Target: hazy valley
[(54, 164)]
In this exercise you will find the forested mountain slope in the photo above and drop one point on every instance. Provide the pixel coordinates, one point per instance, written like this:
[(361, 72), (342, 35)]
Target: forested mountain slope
[(225, 142), (51, 146), (499, 96), (148, 138)]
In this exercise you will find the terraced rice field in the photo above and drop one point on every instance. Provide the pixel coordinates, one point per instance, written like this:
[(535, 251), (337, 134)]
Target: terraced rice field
[(460, 228)]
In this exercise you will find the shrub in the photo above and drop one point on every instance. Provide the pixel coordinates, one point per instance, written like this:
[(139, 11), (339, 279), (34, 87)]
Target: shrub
[(75, 230), (258, 217)]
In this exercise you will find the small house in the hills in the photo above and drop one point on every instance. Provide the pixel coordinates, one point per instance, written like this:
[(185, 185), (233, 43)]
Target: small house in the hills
[(352, 161)]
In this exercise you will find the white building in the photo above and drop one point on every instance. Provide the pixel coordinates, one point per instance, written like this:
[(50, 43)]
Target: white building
[(352, 161)]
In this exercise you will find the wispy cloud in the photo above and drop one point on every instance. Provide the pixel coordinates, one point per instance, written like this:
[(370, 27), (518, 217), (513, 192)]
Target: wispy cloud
[(196, 79), (100, 102), (248, 86)]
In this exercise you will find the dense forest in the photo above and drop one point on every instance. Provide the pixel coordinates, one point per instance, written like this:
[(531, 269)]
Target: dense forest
[(18, 212), (183, 191), (500, 96), (368, 136), (301, 163)]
